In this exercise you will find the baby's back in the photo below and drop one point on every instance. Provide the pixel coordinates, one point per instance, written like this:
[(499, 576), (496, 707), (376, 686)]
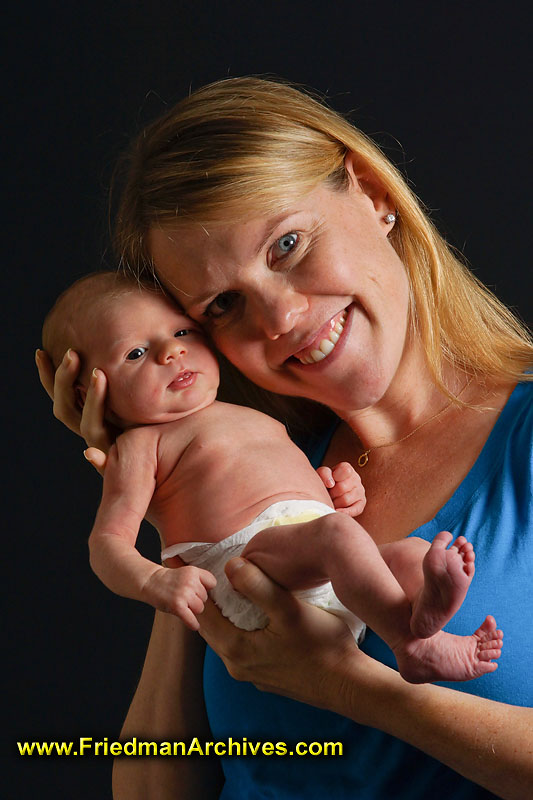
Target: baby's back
[(234, 463)]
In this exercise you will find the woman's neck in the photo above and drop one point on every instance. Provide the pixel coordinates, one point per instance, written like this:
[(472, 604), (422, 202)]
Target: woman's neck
[(411, 400)]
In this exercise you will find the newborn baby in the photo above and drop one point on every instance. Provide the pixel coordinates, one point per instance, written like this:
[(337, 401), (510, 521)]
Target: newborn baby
[(232, 477)]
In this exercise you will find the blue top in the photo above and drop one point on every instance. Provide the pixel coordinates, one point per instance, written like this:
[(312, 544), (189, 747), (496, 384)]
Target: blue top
[(493, 508)]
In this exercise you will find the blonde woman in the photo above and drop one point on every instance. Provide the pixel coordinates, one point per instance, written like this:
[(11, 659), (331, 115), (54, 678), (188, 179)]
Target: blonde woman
[(269, 218)]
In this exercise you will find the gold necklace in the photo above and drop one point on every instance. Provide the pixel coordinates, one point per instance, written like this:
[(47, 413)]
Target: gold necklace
[(363, 458)]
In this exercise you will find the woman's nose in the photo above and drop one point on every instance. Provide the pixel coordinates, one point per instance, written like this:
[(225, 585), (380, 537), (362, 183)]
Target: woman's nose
[(277, 313), (170, 349)]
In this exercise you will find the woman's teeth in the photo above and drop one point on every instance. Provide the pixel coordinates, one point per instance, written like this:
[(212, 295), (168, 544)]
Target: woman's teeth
[(326, 345)]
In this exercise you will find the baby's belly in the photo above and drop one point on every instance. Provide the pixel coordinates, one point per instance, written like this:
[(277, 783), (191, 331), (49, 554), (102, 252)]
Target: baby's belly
[(212, 522)]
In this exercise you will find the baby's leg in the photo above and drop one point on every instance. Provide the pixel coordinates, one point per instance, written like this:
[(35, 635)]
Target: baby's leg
[(290, 554), (404, 559), (338, 549), (435, 577)]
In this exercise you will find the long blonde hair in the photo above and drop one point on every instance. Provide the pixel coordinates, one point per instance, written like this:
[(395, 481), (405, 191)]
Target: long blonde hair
[(248, 146)]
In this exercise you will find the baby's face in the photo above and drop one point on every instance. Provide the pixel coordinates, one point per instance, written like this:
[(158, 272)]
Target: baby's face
[(158, 364)]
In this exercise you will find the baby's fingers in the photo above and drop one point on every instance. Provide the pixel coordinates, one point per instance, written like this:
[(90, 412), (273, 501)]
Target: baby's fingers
[(197, 604), (348, 497), (352, 510), (351, 502), (344, 471), (188, 618), (347, 488), (327, 477), (207, 579)]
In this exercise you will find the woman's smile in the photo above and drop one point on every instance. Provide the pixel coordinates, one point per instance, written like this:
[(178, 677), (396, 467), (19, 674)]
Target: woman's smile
[(324, 343)]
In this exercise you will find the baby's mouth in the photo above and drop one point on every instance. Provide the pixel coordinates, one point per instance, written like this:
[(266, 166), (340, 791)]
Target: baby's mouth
[(325, 343), (181, 380)]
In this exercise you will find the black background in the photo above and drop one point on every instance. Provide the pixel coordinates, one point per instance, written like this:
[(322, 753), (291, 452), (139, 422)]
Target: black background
[(444, 87)]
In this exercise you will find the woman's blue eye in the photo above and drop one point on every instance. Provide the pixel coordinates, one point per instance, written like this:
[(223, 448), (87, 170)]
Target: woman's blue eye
[(136, 353), (284, 245), (222, 304)]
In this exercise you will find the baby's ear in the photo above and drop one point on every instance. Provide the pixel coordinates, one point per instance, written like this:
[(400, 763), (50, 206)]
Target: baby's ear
[(81, 393)]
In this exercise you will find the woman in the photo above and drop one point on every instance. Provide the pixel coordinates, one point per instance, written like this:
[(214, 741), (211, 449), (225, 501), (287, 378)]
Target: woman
[(267, 217)]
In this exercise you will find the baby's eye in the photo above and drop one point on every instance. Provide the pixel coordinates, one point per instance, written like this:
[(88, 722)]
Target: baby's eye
[(222, 304), (283, 246), (137, 352), (182, 332)]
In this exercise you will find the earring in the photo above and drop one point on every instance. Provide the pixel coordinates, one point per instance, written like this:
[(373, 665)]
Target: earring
[(390, 218)]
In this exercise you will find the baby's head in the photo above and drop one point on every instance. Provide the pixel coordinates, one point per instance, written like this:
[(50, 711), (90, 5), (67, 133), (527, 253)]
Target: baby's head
[(157, 361)]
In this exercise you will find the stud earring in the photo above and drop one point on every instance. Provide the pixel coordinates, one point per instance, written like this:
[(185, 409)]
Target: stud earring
[(390, 218)]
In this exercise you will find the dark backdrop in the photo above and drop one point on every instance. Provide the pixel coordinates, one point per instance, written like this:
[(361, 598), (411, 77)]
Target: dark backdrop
[(443, 88)]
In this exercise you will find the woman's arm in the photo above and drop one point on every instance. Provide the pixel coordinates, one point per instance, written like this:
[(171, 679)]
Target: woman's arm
[(168, 706), (489, 743)]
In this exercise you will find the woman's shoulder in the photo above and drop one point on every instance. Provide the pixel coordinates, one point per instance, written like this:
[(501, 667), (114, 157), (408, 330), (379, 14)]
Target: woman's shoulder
[(515, 425), (519, 444), (522, 394), (504, 467)]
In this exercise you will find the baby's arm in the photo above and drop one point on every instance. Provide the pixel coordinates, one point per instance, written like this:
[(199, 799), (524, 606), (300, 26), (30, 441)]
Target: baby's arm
[(345, 488), (129, 484)]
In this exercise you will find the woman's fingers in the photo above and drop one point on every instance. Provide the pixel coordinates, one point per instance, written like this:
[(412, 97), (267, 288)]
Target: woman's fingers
[(246, 653), (63, 388), (46, 372), (293, 655), (250, 581), (234, 646), (66, 407), (93, 427), (97, 458)]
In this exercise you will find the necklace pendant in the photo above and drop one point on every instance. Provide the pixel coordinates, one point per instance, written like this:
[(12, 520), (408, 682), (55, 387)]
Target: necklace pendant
[(363, 459)]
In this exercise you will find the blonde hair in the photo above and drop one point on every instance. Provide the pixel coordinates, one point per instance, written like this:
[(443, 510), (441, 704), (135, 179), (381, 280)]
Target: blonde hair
[(248, 146)]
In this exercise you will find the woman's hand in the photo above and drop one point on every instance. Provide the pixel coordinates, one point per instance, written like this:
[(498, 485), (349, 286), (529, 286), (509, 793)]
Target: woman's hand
[(61, 387), (295, 655), (97, 458), (310, 656)]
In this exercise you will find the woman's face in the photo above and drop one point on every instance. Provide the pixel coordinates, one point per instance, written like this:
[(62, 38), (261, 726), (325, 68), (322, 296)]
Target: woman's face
[(312, 302)]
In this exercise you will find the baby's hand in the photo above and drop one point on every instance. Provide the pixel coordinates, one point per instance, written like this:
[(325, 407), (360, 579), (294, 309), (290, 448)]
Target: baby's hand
[(345, 488), (181, 591)]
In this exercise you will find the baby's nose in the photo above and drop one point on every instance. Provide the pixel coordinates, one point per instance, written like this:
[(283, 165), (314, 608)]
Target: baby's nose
[(171, 348)]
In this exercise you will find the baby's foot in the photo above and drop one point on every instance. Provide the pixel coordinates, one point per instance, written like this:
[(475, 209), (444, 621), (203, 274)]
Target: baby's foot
[(447, 657), (448, 573)]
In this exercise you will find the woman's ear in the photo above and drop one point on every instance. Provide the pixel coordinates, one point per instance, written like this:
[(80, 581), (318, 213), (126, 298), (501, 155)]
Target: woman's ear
[(363, 179)]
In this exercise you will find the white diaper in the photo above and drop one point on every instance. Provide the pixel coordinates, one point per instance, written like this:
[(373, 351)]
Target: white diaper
[(214, 556)]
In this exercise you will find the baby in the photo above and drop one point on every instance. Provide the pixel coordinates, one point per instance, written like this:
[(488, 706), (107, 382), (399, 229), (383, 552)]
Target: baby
[(232, 475)]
